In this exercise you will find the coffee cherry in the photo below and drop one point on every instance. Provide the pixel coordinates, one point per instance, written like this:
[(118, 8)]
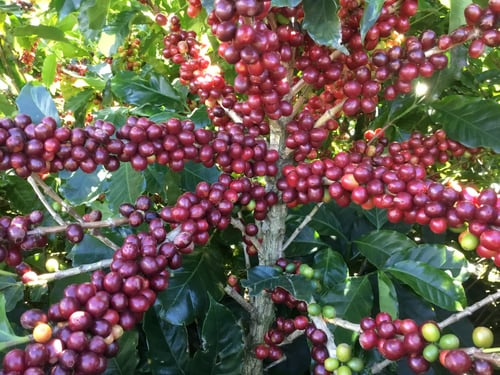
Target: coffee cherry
[(457, 361), (430, 331), (314, 309), (431, 352), (331, 364), (449, 341), (468, 241), (482, 337), (328, 312), (343, 352), (42, 333), (74, 233)]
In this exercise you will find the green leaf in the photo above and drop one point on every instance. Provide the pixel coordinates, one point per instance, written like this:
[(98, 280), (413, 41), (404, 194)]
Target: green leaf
[(378, 246), (7, 336), (469, 120), (90, 250), (441, 257), (371, 14), (324, 221), (127, 359), (195, 173), (285, 3), (49, 69), (82, 188), (322, 23), (65, 7), (11, 290), (432, 284), (125, 185), (20, 195), (78, 104), (376, 216), (36, 102), (92, 17), (457, 17), (352, 300), (130, 87), (306, 242), (187, 296), (387, 296), (167, 344), (41, 31), (332, 266), (261, 278), (222, 338)]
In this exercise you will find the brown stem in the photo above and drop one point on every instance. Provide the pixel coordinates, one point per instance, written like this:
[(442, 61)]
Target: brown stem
[(91, 225), (241, 301), (329, 114)]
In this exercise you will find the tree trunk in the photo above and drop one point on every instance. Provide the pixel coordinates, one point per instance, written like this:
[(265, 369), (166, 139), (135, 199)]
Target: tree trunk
[(273, 235)]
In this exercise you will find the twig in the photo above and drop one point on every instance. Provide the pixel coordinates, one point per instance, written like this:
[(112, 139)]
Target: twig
[(320, 323), (239, 225), (91, 225), (302, 225), (71, 211), (41, 197), (46, 277), (231, 113), (378, 367), (469, 310), (329, 114), (54, 196), (345, 324), (241, 301), (275, 363)]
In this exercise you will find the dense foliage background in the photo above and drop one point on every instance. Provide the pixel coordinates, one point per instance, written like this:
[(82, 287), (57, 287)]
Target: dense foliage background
[(83, 62)]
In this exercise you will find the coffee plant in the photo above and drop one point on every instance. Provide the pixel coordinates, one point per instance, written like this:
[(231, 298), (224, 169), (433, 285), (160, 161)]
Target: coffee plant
[(249, 187)]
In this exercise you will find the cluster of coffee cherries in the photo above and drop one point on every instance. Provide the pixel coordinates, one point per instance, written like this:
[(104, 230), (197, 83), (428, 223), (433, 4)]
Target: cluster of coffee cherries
[(80, 331), (17, 234), (423, 344), (128, 55), (397, 181)]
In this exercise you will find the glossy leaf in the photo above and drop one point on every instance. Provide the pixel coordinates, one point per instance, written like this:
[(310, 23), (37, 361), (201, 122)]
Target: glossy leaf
[(65, 7), (222, 337), (81, 188), (126, 360), (324, 221), (262, 278), (432, 284), (168, 345), (21, 195), (378, 246), (49, 69), (305, 243), (195, 173), (36, 102), (187, 296), (322, 23), (41, 31), (469, 120), (376, 216), (125, 185), (353, 300), (387, 296), (92, 17), (90, 250), (439, 256), (332, 267), (134, 89), (7, 336), (371, 13), (12, 291)]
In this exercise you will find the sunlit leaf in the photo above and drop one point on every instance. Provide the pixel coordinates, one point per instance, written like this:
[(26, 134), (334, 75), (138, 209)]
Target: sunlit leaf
[(432, 284), (471, 121), (322, 23)]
